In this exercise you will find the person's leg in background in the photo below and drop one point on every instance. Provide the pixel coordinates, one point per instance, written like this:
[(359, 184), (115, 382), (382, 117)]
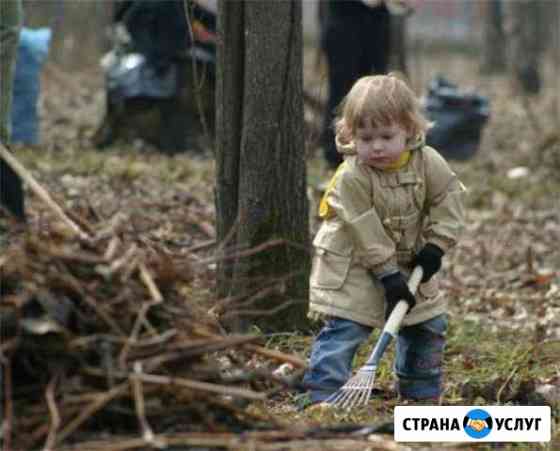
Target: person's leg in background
[(342, 48), (355, 45), (10, 24), (11, 190), (376, 31)]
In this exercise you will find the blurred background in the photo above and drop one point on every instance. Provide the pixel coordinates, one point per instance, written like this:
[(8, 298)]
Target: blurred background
[(462, 40), (114, 132)]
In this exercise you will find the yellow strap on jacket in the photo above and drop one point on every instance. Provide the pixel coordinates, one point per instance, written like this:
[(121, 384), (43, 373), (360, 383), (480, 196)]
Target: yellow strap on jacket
[(325, 212)]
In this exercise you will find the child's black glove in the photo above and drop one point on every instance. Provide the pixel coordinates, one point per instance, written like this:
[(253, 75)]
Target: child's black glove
[(396, 289), (429, 258)]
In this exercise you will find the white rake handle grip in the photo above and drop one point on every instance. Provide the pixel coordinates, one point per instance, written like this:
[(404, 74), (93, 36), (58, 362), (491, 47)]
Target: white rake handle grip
[(394, 321)]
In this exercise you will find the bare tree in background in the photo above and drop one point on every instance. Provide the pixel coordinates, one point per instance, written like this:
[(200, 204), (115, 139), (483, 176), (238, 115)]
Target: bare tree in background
[(494, 39), (523, 31), (260, 163), (557, 57)]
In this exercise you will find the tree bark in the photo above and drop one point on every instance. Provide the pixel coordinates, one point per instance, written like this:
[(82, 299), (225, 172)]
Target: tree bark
[(550, 12), (525, 48), (260, 163), (493, 46)]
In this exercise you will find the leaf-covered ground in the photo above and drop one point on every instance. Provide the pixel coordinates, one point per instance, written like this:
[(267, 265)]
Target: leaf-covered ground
[(503, 280)]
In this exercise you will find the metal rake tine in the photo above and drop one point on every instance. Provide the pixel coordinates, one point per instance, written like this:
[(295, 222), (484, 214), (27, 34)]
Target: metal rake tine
[(335, 397), (361, 392), (332, 399), (355, 391), (349, 401), (365, 391), (371, 383), (353, 394), (370, 388), (342, 397), (344, 403), (341, 393), (345, 394), (356, 399)]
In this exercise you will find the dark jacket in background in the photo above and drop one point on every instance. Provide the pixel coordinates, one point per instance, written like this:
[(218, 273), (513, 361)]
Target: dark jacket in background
[(356, 41)]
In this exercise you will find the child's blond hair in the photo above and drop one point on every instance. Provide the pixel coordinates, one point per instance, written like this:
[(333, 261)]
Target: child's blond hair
[(383, 100)]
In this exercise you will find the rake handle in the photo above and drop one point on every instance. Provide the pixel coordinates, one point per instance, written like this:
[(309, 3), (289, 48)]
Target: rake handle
[(393, 323)]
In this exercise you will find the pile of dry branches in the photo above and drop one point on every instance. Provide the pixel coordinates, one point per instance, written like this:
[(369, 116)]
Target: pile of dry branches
[(102, 348), (99, 337)]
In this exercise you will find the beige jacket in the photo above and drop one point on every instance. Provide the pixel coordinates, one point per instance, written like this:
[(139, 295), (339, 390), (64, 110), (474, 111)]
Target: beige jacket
[(376, 222)]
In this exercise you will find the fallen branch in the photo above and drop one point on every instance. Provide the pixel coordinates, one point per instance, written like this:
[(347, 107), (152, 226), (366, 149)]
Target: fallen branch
[(269, 353), (277, 355), (89, 411), (147, 432), (149, 281), (202, 386), (108, 271), (40, 192), (8, 408), (54, 414), (245, 253), (283, 440)]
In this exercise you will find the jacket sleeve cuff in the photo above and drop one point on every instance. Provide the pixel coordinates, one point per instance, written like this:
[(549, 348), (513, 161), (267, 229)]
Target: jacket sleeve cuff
[(385, 269), (443, 243)]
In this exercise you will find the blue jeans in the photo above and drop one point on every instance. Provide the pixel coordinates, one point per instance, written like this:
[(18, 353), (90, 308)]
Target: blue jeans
[(418, 362)]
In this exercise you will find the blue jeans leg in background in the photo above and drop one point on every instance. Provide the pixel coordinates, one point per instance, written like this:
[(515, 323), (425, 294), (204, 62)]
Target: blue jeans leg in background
[(419, 359), (331, 358)]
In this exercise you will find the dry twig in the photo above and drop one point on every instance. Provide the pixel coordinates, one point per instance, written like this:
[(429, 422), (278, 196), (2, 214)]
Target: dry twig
[(41, 192)]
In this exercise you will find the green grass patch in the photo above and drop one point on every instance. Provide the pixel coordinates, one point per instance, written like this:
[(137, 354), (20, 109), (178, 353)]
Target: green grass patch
[(482, 367)]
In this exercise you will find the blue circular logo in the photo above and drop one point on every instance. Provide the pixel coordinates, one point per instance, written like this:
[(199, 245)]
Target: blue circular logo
[(477, 423)]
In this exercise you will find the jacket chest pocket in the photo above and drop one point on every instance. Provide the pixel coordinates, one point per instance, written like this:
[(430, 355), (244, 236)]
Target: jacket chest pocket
[(406, 190), (404, 204)]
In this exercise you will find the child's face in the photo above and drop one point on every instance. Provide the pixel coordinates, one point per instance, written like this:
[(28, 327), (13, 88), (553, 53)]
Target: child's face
[(380, 147)]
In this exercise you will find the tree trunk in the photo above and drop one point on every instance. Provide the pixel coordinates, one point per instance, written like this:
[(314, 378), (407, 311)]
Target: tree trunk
[(525, 49), (260, 164), (493, 47), (556, 57)]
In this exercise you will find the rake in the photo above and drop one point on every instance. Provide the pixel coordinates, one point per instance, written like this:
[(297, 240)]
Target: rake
[(358, 388)]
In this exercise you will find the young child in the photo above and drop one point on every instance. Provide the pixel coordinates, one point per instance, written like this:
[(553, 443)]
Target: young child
[(394, 203)]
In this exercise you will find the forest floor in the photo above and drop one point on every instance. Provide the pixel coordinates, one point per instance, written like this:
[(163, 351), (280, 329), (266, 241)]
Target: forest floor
[(503, 280)]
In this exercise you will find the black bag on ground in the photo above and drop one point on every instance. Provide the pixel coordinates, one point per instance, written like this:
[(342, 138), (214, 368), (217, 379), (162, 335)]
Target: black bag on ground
[(459, 119)]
